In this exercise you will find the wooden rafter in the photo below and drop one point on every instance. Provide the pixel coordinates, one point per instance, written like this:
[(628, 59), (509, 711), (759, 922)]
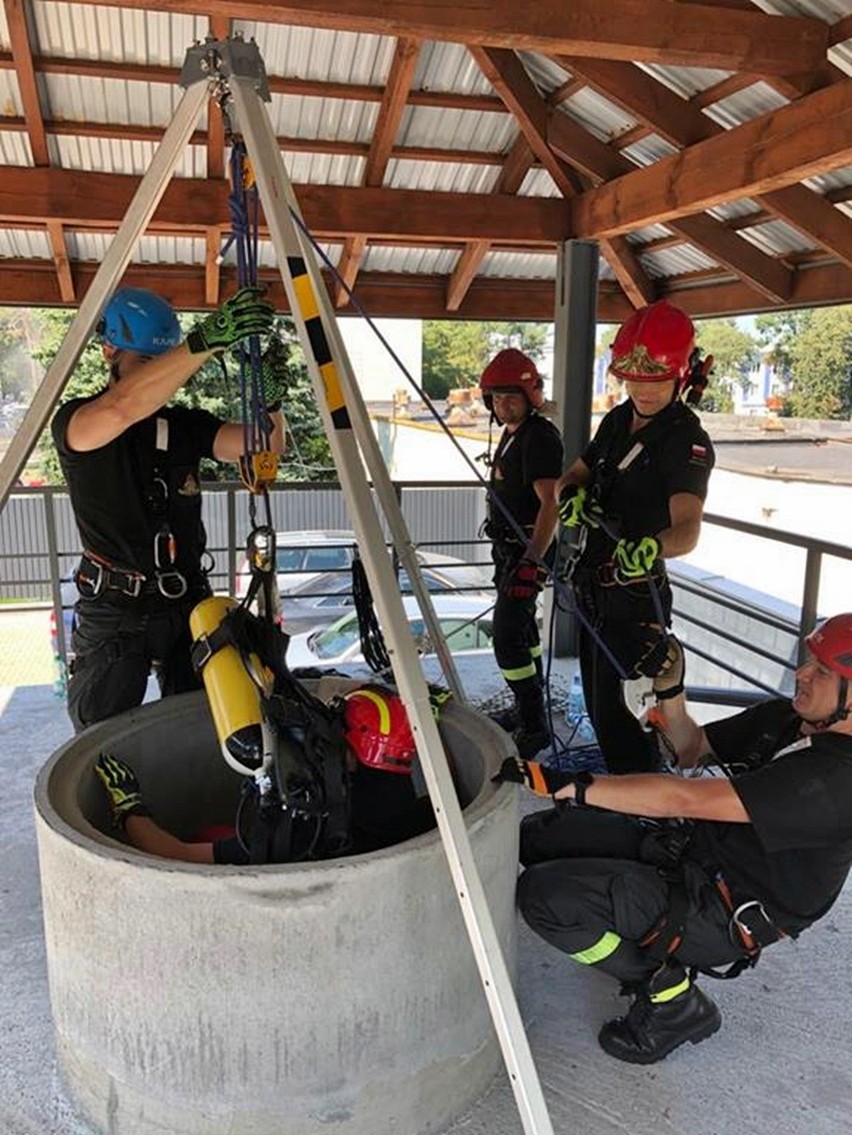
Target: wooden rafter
[(682, 124), (400, 76), (813, 135), (212, 265), (507, 75), (648, 31), (60, 261), (19, 37)]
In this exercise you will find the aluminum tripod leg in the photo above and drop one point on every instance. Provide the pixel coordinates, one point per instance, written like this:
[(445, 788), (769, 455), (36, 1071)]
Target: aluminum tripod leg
[(139, 213), (336, 392)]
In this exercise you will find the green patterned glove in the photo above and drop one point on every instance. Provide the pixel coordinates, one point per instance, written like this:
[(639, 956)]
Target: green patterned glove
[(635, 558), (577, 506), (273, 373), (243, 314), (122, 789)]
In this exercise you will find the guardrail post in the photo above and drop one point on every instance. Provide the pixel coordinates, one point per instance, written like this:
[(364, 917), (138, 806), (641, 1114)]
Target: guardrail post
[(810, 597)]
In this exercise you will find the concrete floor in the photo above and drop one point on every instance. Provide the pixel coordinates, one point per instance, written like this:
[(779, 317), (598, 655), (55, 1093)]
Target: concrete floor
[(781, 1064)]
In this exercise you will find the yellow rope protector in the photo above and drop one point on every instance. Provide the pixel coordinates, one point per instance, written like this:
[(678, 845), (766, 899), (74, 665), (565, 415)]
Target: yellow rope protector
[(258, 470)]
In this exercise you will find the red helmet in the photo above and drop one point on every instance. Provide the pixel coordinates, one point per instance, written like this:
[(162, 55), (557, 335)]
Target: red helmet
[(377, 730), (831, 643), (654, 344), (512, 370)]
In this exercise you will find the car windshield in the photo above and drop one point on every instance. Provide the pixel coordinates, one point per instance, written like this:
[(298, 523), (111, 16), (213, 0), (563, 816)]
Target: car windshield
[(337, 638)]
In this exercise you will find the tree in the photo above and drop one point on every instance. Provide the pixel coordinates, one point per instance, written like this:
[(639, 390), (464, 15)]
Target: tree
[(531, 338), (454, 354), (734, 353), (821, 361), (777, 332)]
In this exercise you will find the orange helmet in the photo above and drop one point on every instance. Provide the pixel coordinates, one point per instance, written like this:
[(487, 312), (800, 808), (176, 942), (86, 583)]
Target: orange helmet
[(831, 643), (377, 730), (512, 370), (654, 344)]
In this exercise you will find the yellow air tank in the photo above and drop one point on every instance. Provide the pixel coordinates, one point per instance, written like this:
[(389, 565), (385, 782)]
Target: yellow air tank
[(231, 691)]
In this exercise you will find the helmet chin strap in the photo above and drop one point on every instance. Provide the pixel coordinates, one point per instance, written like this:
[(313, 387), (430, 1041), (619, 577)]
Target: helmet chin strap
[(840, 714)]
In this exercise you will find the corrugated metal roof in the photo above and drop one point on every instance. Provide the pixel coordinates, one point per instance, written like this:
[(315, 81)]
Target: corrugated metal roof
[(675, 261), (599, 116), (685, 81), (744, 105), (84, 99), (825, 182), (112, 155), (449, 67), (445, 177), (520, 265), (15, 149), (29, 244), (324, 169), (421, 261), (129, 35), (314, 53), (330, 120), (778, 238), (538, 183), (546, 73), (650, 232), (649, 150), (4, 29), (448, 129), (828, 10), (731, 209)]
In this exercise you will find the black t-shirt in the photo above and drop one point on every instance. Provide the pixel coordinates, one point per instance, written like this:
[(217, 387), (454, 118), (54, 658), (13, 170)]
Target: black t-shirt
[(385, 811), (531, 453), (795, 854), (676, 456), (119, 504)]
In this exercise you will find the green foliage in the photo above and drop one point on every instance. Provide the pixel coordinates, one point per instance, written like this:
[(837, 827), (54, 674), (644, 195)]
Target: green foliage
[(821, 364), (734, 354), (777, 332), (456, 352)]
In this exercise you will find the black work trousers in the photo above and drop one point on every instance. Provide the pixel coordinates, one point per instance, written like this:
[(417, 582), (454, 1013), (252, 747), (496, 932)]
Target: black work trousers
[(517, 644), (626, 620), (592, 888), (117, 641)]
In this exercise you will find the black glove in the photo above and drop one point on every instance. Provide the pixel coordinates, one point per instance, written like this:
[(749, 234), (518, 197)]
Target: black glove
[(122, 789), (525, 582), (540, 780), (274, 375), (668, 681), (577, 506), (243, 314)]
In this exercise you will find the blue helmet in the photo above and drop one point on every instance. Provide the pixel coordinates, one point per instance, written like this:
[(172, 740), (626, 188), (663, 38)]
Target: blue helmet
[(138, 320)]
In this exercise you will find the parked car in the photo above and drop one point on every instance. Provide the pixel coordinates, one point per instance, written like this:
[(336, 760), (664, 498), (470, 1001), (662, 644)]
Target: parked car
[(465, 623), (321, 601), (303, 556)]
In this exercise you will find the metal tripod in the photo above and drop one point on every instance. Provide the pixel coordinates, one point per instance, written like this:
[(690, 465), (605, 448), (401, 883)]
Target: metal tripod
[(236, 69)]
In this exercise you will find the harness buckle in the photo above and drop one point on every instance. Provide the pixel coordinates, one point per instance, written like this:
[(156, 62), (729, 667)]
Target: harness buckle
[(754, 925)]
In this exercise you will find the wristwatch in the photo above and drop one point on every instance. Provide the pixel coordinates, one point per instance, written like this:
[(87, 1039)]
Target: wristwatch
[(582, 780)]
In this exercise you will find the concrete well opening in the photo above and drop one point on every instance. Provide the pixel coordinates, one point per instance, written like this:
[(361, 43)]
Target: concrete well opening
[(271, 1000)]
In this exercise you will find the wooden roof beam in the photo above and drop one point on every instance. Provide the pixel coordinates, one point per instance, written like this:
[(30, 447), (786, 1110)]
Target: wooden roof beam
[(604, 164), (397, 86), (332, 212), (56, 236), (212, 266), (683, 125), (813, 135), (19, 38), (518, 162), (649, 31), (385, 294)]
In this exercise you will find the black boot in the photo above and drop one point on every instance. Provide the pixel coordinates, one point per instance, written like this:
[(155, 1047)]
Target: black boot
[(652, 1029), (507, 719), (533, 735)]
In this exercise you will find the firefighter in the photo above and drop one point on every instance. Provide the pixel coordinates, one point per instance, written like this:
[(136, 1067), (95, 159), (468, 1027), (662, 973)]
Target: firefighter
[(131, 464), (524, 471), (382, 806), (754, 856), (637, 495)]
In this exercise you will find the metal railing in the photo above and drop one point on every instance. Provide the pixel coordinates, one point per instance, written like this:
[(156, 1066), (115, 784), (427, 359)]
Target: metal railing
[(39, 547)]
